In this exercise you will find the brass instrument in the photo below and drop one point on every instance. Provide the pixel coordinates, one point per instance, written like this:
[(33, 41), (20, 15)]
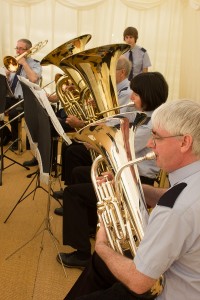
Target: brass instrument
[(97, 66), (121, 206), (69, 97), (11, 63), (67, 49)]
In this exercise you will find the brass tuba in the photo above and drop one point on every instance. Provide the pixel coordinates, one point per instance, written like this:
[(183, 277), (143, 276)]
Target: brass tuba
[(72, 80), (121, 207), (67, 49), (97, 66), (11, 63)]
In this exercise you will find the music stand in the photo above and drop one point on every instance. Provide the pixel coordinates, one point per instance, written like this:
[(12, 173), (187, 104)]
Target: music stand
[(4, 92), (38, 113)]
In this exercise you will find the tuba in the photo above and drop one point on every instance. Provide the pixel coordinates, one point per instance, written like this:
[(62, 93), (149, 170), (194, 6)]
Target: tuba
[(70, 87), (11, 63), (67, 49), (120, 206), (97, 67)]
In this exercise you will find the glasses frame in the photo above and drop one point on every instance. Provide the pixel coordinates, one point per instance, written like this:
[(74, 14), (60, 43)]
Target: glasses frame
[(154, 137), (20, 48)]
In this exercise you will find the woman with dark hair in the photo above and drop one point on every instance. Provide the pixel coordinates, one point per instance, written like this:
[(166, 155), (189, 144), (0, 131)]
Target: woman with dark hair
[(150, 90)]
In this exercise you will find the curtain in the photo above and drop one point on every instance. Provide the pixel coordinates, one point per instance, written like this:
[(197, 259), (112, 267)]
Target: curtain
[(168, 30)]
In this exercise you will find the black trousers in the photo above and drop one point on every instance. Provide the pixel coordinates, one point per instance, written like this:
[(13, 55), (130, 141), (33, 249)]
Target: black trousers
[(97, 283), (73, 156), (79, 210)]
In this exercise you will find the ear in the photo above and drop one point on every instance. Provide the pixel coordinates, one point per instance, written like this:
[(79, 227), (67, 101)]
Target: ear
[(186, 143)]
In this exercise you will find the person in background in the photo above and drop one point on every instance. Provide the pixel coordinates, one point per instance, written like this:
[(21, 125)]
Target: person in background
[(28, 68), (171, 242), (137, 55)]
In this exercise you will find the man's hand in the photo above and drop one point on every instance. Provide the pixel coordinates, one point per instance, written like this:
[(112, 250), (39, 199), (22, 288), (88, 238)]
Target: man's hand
[(101, 237), (74, 122)]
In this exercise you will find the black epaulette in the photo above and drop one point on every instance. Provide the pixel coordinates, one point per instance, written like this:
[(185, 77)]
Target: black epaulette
[(144, 50), (124, 89), (146, 121), (169, 198)]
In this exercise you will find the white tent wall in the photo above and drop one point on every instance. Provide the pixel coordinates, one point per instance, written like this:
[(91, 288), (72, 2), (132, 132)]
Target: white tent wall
[(168, 29)]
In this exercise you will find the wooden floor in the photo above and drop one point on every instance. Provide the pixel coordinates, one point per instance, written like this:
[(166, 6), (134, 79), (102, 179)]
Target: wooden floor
[(28, 266)]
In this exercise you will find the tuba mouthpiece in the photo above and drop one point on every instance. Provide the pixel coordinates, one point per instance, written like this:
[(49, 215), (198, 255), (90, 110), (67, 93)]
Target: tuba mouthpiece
[(151, 155)]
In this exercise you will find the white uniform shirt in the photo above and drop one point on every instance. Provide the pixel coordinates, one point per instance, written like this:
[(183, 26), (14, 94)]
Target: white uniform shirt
[(171, 245), (140, 61), (35, 66)]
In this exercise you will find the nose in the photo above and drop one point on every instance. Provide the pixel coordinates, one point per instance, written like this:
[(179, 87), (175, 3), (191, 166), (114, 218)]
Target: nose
[(132, 97), (150, 143)]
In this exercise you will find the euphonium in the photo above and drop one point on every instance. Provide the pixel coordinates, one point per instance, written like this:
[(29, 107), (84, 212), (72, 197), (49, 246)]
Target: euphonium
[(121, 206), (11, 63)]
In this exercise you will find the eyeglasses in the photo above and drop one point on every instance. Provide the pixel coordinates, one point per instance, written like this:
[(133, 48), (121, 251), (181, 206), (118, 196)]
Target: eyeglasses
[(157, 137), (20, 48)]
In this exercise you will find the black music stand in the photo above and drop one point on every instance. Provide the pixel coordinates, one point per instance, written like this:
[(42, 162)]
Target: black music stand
[(37, 116), (38, 131), (4, 92)]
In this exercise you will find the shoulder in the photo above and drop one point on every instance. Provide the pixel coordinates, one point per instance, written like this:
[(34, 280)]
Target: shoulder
[(143, 50), (170, 197), (140, 49)]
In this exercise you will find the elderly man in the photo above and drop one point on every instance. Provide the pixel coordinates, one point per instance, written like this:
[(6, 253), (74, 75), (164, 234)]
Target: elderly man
[(28, 68), (171, 243)]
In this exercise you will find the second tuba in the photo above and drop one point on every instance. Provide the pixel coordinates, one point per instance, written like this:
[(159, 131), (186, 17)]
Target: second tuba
[(97, 66)]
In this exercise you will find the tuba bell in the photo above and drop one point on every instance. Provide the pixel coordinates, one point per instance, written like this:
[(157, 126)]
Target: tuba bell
[(120, 206), (76, 86), (97, 66), (67, 49)]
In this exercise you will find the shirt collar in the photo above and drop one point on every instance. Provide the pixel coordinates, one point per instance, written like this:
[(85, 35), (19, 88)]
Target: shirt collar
[(184, 172)]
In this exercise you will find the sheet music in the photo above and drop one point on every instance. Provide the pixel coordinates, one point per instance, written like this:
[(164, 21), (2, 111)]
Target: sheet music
[(44, 177), (2, 71), (9, 92), (42, 98)]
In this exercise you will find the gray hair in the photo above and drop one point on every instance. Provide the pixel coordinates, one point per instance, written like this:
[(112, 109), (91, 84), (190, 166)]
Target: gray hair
[(27, 42), (124, 63), (180, 117)]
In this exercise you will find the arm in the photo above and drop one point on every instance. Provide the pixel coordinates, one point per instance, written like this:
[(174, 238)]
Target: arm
[(30, 73), (74, 122), (122, 268), (53, 98), (152, 194)]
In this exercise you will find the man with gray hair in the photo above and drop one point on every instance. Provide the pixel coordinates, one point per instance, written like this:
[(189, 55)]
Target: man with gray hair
[(124, 92), (28, 68), (171, 243)]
